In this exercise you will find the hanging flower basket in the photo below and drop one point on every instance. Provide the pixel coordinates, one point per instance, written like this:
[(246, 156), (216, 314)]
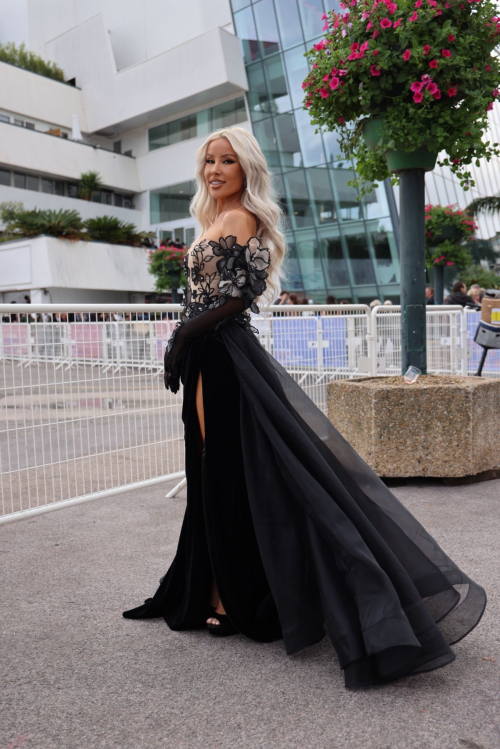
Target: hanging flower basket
[(424, 66), (374, 134), (446, 230)]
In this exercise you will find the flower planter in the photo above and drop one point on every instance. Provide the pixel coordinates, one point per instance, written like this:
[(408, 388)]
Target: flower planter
[(447, 232), (398, 159)]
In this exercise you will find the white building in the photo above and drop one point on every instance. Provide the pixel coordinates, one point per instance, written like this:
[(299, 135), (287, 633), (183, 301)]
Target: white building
[(149, 81), (136, 68)]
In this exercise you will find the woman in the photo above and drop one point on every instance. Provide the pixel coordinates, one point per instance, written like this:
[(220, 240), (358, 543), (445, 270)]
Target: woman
[(287, 532)]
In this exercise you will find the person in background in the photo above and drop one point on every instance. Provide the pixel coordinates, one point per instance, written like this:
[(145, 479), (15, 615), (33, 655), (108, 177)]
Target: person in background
[(331, 299), (387, 303), (479, 295), (344, 301), (473, 290), (283, 297), (459, 295), (375, 303), (429, 295)]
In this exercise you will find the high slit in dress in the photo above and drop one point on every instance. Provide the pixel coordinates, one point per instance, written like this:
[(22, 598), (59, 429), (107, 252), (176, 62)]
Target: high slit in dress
[(300, 535)]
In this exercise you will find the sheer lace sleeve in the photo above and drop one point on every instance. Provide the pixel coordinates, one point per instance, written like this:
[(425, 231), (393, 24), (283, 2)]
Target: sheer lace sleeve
[(226, 294)]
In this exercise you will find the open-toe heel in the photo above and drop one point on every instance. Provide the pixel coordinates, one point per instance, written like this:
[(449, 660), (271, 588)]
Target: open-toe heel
[(224, 629)]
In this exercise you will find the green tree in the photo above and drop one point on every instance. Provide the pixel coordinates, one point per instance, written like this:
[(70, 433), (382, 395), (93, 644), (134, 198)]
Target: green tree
[(487, 279), (90, 184)]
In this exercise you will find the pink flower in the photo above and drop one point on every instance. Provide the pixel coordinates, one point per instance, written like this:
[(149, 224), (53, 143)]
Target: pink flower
[(416, 87), (418, 96), (365, 15), (319, 45), (326, 77), (396, 24), (449, 262), (353, 56), (490, 106), (324, 93), (452, 91), (391, 7), (433, 64), (375, 52), (342, 72), (418, 4), (334, 83), (375, 34), (334, 71), (438, 13), (433, 3), (407, 55), (354, 47), (451, 38), (341, 120), (374, 70), (308, 103), (413, 17), (494, 93), (315, 65), (426, 49), (437, 94), (385, 23), (446, 53), (369, 25), (364, 47), (436, 260), (487, 68), (432, 88), (426, 78)]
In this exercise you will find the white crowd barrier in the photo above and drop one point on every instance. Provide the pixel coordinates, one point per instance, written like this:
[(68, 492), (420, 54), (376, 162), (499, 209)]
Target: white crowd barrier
[(83, 409)]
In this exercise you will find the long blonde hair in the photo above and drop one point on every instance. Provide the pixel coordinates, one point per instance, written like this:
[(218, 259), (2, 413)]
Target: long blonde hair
[(259, 197)]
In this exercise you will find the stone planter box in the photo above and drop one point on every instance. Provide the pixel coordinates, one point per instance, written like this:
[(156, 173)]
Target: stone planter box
[(439, 426)]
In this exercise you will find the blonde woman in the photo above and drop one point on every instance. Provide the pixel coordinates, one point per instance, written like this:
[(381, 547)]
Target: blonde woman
[(287, 532)]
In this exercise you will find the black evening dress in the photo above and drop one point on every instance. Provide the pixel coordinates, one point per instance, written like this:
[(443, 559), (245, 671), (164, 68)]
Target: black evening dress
[(300, 535)]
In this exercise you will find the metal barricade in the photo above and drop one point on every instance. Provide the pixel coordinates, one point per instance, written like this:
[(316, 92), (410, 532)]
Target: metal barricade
[(446, 340)]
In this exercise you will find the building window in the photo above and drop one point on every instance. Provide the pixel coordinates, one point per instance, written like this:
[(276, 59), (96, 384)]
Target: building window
[(29, 125), (20, 123), (72, 190), (117, 146), (32, 182), (4, 118), (171, 203), (48, 185), (118, 199), (19, 180), (4, 177), (107, 197), (59, 188), (198, 124)]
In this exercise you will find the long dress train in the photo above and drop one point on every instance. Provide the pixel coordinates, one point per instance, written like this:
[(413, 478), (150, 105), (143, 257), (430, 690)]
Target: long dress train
[(299, 534)]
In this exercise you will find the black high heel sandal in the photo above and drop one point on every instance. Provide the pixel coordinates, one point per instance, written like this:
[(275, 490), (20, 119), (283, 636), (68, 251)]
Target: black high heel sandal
[(224, 629)]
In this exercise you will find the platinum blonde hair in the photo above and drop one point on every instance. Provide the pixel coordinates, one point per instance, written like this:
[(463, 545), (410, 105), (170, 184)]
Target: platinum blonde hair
[(259, 197)]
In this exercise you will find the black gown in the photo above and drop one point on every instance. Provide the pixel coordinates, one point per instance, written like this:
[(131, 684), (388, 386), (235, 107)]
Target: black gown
[(300, 535)]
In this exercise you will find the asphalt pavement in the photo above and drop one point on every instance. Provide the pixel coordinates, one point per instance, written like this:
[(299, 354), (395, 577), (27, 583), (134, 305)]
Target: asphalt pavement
[(76, 674)]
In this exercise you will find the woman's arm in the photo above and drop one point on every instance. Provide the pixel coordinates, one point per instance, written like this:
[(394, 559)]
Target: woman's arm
[(243, 272)]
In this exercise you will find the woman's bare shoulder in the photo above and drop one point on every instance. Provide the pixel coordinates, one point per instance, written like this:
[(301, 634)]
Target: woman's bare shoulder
[(241, 223)]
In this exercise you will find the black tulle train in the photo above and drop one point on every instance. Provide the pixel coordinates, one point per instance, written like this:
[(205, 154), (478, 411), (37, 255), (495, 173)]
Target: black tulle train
[(299, 533)]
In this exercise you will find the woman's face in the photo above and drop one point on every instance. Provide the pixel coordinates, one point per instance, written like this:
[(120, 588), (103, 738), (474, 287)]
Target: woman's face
[(224, 174)]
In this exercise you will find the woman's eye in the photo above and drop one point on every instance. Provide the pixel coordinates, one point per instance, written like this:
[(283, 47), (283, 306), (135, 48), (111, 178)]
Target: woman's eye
[(229, 160)]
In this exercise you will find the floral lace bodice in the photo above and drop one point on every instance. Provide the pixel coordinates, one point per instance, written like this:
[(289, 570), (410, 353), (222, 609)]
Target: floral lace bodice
[(216, 271)]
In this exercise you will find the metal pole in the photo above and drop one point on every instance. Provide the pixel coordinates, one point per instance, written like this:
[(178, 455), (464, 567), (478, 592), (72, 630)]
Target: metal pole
[(412, 252)]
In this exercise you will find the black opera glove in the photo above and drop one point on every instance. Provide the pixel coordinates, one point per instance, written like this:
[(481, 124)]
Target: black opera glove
[(242, 273), (195, 327)]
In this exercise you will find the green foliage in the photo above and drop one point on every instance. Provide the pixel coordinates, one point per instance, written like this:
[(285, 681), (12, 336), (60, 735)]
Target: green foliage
[(167, 266), (481, 249), (484, 205), (427, 70), (68, 224), (487, 279), (31, 223), (110, 229), (446, 230), (24, 58), (90, 183)]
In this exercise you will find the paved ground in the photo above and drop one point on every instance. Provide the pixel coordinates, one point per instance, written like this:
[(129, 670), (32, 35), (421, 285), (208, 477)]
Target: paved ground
[(76, 674)]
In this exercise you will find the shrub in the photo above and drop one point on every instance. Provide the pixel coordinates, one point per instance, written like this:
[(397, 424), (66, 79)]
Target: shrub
[(24, 58), (487, 279), (110, 229), (90, 183)]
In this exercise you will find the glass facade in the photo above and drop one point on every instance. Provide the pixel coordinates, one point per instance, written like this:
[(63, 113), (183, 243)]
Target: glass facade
[(200, 123), (171, 203), (337, 245)]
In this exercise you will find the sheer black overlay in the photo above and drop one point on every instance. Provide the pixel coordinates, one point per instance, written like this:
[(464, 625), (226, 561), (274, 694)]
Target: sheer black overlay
[(300, 535)]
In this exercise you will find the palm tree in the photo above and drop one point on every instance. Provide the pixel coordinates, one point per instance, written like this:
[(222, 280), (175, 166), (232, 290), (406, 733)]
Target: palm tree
[(90, 184)]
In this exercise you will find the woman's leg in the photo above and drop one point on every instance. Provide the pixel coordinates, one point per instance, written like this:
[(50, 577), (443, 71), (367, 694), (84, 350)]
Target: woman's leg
[(214, 596)]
